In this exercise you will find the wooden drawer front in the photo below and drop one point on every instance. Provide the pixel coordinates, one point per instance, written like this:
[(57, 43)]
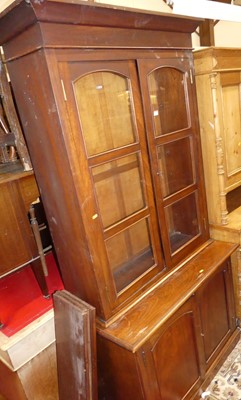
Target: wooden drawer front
[(217, 312)]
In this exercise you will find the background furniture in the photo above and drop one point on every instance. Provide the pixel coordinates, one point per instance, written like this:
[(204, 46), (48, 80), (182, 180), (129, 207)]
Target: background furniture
[(107, 99), (27, 338), (27, 348), (18, 191), (19, 247), (12, 144), (218, 79)]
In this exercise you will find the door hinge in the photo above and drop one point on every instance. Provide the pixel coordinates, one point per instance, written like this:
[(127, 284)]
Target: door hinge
[(238, 324), (191, 76), (63, 88)]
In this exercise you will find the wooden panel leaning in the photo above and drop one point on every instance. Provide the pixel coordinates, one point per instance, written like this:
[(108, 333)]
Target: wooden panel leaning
[(76, 347)]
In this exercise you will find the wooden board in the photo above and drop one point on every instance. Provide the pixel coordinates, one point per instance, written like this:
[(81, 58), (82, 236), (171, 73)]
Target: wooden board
[(76, 347)]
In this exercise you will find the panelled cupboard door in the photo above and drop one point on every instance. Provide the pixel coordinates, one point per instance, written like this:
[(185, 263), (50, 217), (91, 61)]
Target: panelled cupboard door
[(112, 171), (171, 359), (167, 92), (217, 311)]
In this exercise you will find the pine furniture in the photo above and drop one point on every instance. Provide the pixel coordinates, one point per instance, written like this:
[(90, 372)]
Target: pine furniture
[(107, 100), (218, 79)]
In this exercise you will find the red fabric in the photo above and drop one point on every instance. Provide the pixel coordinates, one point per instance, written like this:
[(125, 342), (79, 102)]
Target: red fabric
[(21, 299)]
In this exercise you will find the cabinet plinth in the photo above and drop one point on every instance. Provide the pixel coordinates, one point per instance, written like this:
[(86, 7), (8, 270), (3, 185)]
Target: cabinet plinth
[(107, 100)]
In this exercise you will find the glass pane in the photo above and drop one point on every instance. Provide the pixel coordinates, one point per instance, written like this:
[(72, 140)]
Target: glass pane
[(175, 166), (104, 101), (168, 100), (130, 254), (182, 221), (119, 188)]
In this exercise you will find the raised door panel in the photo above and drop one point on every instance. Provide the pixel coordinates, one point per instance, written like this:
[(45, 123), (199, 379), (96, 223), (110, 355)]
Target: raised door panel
[(230, 86), (108, 134), (170, 113), (172, 358), (216, 305)]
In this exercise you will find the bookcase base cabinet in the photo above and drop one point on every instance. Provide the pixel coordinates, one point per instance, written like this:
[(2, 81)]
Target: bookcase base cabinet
[(178, 358)]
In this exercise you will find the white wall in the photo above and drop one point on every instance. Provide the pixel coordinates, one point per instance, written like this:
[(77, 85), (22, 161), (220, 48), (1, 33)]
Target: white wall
[(154, 5), (4, 4), (228, 34)]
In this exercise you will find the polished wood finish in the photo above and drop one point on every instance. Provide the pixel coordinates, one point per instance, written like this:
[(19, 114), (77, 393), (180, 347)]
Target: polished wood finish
[(179, 330), (62, 148), (218, 91), (75, 329), (175, 290), (17, 192), (126, 211)]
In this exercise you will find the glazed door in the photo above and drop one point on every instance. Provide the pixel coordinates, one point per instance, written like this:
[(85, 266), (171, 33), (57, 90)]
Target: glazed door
[(217, 311), (112, 173), (175, 156), (172, 358)]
